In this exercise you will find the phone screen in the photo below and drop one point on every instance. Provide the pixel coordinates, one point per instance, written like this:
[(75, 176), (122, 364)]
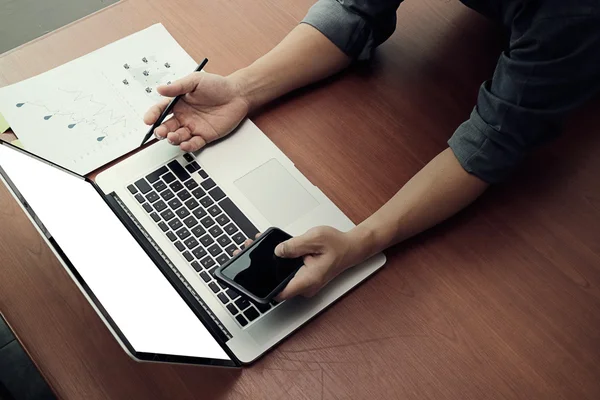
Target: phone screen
[(258, 269)]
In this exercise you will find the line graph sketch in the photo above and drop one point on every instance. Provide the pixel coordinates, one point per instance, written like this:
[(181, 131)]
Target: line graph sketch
[(101, 118), (89, 111)]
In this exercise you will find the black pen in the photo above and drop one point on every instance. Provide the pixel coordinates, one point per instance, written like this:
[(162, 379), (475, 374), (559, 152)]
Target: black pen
[(168, 109)]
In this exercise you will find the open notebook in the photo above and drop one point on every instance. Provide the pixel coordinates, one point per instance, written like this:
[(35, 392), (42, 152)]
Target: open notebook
[(88, 112)]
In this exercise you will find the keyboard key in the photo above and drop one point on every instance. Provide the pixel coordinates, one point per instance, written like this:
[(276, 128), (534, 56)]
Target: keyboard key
[(206, 201), (208, 184), (222, 259), (167, 195), (190, 221), (230, 229), (242, 303), (188, 157), (179, 246), (223, 240), (155, 217), (263, 308), (214, 210), (205, 277), (198, 231), (221, 285), (152, 196), (214, 250), (198, 192), (191, 242), (182, 212), (207, 262), (215, 231), (199, 213), (191, 204), (195, 165), (143, 186), (251, 314), (183, 195), (240, 219), (174, 204), (188, 256), (207, 222), (183, 233), (167, 215), (232, 294), (163, 226), (222, 219), (211, 271), (191, 184), (197, 266), (217, 194), (160, 186), (213, 286), (239, 238), (176, 186), (190, 168), (203, 174), (140, 198), (168, 178), (230, 249), (132, 189), (223, 298), (179, 171), (206, 240), (241, 320), (153, 177), (160, 206), (231, 308), (171, 236), (147, 207), (175, 224), (199, 252)]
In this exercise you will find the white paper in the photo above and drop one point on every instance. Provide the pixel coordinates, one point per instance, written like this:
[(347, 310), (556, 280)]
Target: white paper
[(89, 111)]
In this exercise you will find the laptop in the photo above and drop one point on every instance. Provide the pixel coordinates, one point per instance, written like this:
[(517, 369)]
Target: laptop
[(142, 242)]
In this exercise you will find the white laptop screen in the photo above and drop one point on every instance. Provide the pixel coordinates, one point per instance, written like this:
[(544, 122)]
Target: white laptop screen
[(142, 303)]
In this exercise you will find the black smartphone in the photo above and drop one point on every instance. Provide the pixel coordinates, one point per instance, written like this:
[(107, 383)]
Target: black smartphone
[(256, 271)]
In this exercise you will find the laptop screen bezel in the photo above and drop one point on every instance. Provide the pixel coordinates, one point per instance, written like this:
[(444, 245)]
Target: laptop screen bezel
[(97, 305)]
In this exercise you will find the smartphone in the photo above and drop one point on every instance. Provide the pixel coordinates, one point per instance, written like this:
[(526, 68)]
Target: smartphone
[(256, 271)]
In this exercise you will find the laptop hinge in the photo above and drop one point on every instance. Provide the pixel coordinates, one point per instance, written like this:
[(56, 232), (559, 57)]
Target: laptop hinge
[(185, 290)]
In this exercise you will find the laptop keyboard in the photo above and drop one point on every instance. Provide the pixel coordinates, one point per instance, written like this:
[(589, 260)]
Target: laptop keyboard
[(202, 223)]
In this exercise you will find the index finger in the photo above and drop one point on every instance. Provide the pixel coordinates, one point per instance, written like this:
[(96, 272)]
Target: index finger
[(154, 112)]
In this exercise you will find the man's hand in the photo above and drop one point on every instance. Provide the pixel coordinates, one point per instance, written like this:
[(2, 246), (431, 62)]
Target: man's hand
[(212, 106), (326, 251)]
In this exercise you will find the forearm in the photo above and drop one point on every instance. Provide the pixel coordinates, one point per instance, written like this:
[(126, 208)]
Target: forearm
[(304, 56), (438, 191)]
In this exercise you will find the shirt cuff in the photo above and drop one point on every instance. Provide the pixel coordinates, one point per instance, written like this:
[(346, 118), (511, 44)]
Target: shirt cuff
[(347, 30), (484, 151)]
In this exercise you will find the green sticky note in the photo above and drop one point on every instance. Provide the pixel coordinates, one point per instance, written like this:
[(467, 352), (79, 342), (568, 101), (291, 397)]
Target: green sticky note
[(3, 124)]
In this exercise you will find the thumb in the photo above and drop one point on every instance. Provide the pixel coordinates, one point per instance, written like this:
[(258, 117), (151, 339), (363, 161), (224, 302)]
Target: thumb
[(296, 247), (184, 85)]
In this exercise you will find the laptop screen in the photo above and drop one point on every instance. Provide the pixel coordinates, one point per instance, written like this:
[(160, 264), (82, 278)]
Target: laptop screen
[(142, 303)]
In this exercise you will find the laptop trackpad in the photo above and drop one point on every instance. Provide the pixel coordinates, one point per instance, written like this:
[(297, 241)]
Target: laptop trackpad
[(276, 194)]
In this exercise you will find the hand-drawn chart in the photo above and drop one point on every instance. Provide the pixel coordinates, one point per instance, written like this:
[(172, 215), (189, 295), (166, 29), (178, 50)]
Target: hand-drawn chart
[(90, 111)]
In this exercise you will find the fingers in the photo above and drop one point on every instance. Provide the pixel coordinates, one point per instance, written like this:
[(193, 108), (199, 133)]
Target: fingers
[(195, 143), (297, 247), (154, 112), (171, 125), (181, 86), (180, 135), (297, 286)]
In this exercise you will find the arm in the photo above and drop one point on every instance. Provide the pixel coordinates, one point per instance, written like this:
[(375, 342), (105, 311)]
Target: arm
[(438, 191), (333, 33)]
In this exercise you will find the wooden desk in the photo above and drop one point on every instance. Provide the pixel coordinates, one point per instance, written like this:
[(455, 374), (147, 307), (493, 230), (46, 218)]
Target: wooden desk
[(502, 302)]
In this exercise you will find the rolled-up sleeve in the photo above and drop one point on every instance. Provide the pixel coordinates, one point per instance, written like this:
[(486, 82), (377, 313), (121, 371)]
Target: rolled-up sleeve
[(550, 69), (357, 27)]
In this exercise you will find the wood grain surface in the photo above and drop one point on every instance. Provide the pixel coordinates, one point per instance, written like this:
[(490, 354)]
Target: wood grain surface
[(501, 302)]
